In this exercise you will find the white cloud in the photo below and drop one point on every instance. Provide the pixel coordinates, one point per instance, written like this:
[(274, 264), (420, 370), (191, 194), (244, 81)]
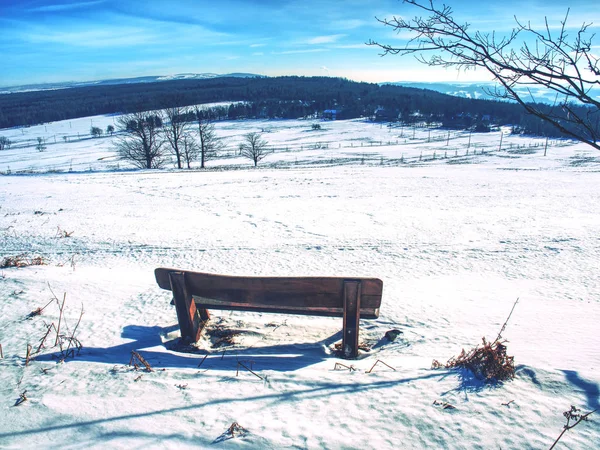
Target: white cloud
[(292, 52), (350, 24), (93, 38), (325, 39), (65, 6)]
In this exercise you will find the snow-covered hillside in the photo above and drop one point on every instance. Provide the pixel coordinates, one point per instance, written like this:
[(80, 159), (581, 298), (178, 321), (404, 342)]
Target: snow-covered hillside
[(455, 237)]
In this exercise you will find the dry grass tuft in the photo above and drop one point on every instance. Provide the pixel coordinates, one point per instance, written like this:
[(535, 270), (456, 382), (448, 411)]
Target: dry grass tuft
[(22, 260)]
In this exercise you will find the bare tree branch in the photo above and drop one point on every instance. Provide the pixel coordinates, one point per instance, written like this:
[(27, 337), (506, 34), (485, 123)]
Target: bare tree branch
[(554, 60)]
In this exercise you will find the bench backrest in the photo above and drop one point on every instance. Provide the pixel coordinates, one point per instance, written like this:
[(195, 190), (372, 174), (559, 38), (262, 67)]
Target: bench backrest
[(315, 296)]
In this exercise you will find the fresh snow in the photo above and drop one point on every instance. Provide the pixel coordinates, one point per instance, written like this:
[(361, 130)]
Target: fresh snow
[(455, 238)]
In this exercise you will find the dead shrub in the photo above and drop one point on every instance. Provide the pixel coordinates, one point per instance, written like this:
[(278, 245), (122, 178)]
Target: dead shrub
[(488, 361)]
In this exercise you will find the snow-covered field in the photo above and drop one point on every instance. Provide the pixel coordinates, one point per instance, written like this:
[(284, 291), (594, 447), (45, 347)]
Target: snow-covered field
[(455, 238)]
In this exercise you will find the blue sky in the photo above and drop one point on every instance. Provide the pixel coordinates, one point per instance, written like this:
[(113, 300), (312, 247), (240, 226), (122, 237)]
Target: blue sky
[(50, 41)]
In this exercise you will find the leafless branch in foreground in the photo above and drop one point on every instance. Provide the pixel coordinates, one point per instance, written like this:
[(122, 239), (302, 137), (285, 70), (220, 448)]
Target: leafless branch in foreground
[(566, 64)]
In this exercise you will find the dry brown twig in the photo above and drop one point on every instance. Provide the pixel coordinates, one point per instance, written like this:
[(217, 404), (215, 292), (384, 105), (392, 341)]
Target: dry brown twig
[(506, 322), (72, 339), (60, 233), (361, 346), (236, 428), (38, 311), (203, 359), (574, 414), (43, 340), (71, 261), (340, 366), (444, 405), (22, 398), (380, 361), (60, 315), (246, 367), (135, 356), (28, 356)]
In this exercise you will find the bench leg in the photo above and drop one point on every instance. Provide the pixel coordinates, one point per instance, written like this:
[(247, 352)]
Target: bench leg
[(191, 320), (351, 319)]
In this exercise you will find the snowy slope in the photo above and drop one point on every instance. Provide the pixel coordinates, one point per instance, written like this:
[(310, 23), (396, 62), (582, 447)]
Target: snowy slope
[(455, 240)]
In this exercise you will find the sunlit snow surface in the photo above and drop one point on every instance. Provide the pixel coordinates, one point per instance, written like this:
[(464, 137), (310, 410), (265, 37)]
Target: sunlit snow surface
[(455, 238)]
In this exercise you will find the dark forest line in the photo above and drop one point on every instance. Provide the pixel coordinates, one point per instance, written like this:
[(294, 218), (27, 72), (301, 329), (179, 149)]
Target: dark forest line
[(273, 98)]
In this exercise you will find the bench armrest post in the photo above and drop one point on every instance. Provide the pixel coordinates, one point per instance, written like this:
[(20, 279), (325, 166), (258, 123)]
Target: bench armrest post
[(352, 290)]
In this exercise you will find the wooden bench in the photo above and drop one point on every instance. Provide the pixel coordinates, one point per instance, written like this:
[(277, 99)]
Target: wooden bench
[(195, 293)]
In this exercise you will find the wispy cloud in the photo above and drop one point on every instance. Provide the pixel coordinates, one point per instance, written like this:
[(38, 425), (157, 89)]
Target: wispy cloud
[(350, 46), (95, 38), (350, 24), (293, 52), (64, 6), (325, 39), (257, 45)]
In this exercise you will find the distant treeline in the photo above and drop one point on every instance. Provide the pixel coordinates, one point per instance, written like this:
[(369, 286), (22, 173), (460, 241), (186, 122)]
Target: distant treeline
[(279, 97)]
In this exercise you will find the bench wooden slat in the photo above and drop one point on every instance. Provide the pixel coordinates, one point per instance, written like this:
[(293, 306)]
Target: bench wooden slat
[(211, 303), (288, 285), (321, 304)]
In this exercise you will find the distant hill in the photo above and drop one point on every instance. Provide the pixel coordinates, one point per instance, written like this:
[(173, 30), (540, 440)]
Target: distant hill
[(481, 90), (114, 81)]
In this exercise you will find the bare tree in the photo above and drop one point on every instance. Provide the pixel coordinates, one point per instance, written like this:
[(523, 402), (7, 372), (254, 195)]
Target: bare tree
[(564, 64), (141, 142), (254, 147), (175, 124), (96, 131), (210, 144), (40, 146), (190, 150)]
